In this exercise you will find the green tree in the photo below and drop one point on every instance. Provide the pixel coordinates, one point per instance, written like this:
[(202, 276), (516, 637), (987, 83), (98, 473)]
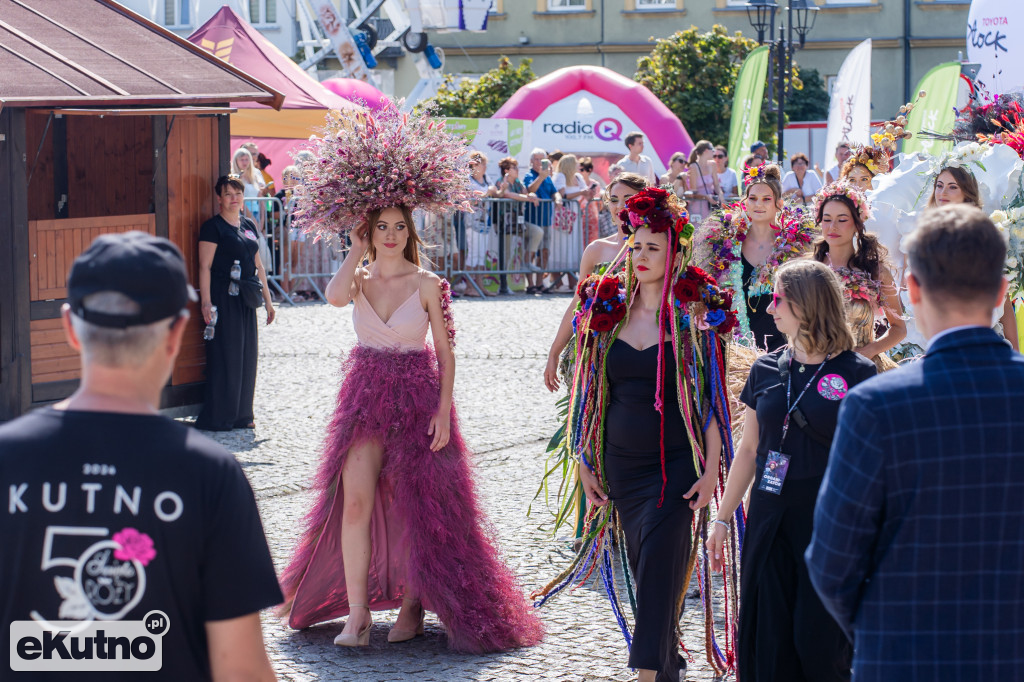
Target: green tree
[(695, 74), (809, 103), (481, 98)]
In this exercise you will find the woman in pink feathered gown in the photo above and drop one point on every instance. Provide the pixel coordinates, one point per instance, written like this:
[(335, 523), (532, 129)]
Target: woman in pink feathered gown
[(397, 521)]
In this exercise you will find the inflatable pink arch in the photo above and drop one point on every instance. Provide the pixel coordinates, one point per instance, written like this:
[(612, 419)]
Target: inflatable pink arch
[(664, 132), (355, 90)]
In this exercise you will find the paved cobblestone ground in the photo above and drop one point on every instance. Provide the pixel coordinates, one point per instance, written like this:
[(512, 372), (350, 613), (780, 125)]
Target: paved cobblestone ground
[(507, 417)]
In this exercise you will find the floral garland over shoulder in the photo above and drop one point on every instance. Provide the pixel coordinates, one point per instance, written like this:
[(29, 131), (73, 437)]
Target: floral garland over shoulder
[(858, 285), (720, 244)]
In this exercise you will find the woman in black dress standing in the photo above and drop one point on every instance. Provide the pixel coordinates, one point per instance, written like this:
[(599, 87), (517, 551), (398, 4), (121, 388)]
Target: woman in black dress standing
[(231, 354), (792, 397), (646, 421)]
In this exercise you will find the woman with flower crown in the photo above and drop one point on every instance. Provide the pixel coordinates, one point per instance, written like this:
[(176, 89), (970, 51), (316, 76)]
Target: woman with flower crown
[(743, 244), (987, 176), (396, 521), (863, 267), (649, 428)]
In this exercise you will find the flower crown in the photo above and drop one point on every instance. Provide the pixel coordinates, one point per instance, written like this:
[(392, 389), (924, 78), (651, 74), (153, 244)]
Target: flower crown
[(892, 131), (844, 189), (963, 156), (367, 161), (875, 159), (650, 208), (755, 173)]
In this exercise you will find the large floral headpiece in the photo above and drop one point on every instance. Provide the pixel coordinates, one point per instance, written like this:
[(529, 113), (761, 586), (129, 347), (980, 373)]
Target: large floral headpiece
[(875, 159), (367, 161), (844, 189), (651, 207)]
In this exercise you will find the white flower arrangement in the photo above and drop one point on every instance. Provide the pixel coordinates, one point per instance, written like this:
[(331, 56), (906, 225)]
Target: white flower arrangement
[(1010, 223)]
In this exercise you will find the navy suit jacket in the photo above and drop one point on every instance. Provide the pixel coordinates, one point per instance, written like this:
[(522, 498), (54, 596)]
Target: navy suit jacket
[(918, 545)]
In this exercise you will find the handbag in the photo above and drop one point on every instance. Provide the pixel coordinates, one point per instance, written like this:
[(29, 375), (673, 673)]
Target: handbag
[(564, 218), (251, 291)]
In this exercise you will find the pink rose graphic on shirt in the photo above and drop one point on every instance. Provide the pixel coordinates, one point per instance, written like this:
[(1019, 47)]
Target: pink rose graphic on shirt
[(134, 546)]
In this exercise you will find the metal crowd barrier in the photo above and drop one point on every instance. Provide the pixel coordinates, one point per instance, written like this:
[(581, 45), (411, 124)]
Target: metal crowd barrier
[(500, 247)]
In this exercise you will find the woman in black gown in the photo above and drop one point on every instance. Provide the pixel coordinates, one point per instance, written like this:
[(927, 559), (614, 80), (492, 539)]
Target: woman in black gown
[(785, 633), (657, 451), (232, 352)]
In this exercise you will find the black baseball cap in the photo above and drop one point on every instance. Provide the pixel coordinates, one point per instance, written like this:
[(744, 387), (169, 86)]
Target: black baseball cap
[(757, 145), (149, 270)]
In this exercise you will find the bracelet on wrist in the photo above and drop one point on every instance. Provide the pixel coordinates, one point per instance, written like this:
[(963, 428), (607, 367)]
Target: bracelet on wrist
[(724, 523)]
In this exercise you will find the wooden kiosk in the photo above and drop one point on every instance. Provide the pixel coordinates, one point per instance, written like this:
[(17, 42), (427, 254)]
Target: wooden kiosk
[(108, 123)]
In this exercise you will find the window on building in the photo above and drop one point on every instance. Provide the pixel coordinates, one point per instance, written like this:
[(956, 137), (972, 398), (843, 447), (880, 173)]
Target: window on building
[(262, 11), (177, 13), (566, 5), (656, 4)]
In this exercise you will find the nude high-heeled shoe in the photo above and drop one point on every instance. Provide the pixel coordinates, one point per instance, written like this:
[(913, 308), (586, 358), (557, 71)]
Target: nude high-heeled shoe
[(397, 634), (360, 639)]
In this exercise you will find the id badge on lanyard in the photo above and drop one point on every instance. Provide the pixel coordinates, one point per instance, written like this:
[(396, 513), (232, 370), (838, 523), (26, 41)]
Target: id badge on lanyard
[(777, 465)]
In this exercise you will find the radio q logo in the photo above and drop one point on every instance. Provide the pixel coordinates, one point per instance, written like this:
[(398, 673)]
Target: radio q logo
[(90, 646)]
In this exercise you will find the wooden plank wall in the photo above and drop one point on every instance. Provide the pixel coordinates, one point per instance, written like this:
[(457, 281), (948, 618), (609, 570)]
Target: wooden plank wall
[(110, 165), (53, 246), (193, 166)]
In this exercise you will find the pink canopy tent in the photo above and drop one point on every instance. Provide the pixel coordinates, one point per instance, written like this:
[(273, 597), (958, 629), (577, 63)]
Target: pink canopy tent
[(279, 134), (589, 109), (355, 90)]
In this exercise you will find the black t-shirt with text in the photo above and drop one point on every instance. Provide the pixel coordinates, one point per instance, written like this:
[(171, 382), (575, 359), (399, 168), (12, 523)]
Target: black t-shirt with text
[(110, 516), (765, 392)]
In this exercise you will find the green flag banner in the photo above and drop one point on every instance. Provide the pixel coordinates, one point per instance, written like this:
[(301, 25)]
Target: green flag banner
[(935, 111), (746, 106)]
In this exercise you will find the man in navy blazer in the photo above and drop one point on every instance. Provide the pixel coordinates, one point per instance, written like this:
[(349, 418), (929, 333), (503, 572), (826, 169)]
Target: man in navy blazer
[(918, 545)]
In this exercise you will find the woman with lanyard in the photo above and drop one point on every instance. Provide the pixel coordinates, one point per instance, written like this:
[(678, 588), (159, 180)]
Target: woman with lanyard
[(792, 399), (232, 284)]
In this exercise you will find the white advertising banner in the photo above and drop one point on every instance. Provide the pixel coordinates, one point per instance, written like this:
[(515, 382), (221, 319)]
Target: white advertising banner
[(496, 138), (849, 110), (995, 39), (352, 63), (584, 123), (451, 15)]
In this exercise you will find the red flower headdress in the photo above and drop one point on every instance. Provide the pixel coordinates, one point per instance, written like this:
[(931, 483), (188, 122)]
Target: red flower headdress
[(651, 208)]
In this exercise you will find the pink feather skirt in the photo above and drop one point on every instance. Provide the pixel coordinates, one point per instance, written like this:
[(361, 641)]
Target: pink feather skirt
[(428, 534)]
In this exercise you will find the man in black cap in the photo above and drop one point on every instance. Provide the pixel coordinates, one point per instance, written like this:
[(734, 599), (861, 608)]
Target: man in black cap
[(119, 519), (760, 149)]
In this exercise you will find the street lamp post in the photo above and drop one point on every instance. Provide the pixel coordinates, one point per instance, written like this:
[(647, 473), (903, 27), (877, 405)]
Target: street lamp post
[(800, 16)]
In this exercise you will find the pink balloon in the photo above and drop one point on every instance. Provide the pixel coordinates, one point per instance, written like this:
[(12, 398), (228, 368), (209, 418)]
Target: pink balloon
[(355, 90)]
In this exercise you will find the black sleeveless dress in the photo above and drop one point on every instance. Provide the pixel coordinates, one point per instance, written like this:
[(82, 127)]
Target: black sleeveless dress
[(657, 539), (761, 323)]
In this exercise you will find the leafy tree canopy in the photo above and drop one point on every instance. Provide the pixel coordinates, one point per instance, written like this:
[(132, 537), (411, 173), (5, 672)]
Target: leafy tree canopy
[(695, 74), (809, 103), (481, 98)]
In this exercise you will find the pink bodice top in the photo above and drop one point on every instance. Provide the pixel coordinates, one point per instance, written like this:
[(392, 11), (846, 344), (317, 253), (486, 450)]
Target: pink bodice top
[(405, 332)]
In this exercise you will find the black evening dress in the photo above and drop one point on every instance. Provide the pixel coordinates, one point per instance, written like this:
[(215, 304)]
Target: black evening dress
[(762, 324), (231, 354), (784, 632), (657, 538)]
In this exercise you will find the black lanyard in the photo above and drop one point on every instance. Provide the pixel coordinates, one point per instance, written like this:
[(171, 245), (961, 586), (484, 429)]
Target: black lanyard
[(789, 392)]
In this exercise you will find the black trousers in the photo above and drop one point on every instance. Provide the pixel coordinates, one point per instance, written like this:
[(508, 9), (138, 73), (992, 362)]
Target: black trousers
[(230, 367), (785, 632)]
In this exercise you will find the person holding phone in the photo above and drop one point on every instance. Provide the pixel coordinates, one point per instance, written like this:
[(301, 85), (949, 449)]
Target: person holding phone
[(538, 181)]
